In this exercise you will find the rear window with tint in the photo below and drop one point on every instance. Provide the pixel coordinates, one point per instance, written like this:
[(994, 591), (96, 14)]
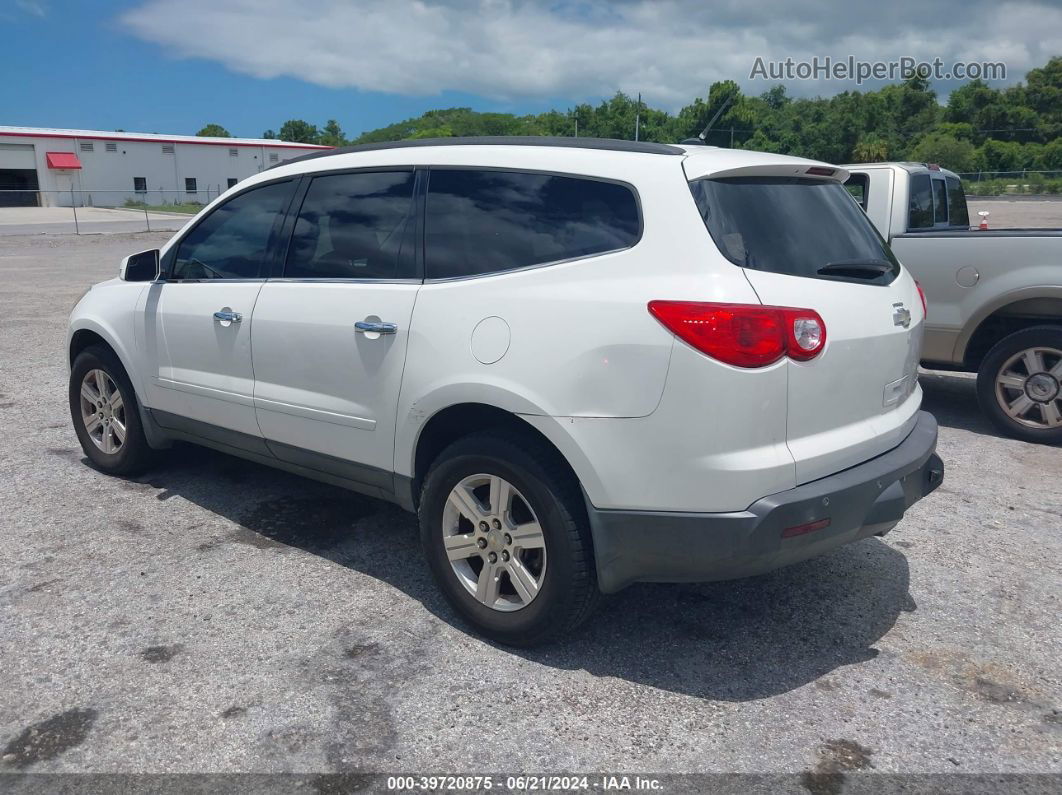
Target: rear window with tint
[(795, 226), (940, 202), (486, 221), (920, 203), (857, 186), (960, 215)]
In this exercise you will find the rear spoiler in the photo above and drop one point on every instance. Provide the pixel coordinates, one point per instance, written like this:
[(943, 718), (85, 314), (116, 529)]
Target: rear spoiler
[(813, 171), (701, 162)]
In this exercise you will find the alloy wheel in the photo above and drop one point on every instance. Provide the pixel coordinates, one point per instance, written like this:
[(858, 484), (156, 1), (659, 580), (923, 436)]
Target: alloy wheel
[(103, 411), (494, 542), (1029, 387)]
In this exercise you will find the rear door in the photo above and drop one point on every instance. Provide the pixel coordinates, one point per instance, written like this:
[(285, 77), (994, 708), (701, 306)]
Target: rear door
[(330, 334), (803, 242)]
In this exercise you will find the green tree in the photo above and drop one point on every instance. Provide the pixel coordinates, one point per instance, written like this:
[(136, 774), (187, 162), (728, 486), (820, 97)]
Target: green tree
[(896, 122), (871, 149), (775, 98), (1002, 156), (1043, 95), (433, 132), (299, 131), (214, 131), (270, 134), (947, 150), (1051, 155), (332, 135)]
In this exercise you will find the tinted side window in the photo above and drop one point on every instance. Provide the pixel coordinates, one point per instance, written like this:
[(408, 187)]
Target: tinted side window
[(233, 242), (857, 186), (940, 202), (960, 215), (490, 221), (920, 211), (355, 226)]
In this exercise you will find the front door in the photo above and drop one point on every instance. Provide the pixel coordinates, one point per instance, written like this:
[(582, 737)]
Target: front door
[(197, 319), (329, 336)]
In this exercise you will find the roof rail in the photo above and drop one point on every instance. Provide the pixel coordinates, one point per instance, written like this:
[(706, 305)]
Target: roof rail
[(609, 144)]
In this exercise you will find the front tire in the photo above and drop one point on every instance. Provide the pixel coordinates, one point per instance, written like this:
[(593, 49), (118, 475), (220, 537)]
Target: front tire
[(1019, 385), (105, 413), (504, 529)]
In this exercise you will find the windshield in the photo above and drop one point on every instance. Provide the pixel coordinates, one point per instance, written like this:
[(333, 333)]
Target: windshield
[(795, 226)]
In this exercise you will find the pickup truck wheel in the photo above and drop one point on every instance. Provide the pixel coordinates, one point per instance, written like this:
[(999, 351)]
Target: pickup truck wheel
[(505, 533), (1019, 384), (104, 411)]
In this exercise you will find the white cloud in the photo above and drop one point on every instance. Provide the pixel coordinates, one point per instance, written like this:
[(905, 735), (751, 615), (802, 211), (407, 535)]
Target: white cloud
[(670, 50), (34, 7)]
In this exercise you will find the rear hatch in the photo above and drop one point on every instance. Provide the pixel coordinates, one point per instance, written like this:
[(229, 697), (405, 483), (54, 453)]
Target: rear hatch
[(803, 242)]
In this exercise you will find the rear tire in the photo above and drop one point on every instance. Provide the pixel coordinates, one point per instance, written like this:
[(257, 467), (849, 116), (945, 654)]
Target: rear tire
[(1019, 385), (106, 414), (487, 575)]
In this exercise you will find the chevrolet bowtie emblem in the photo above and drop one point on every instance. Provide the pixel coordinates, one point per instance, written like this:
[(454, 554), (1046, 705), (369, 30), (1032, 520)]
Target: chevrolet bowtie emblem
[(901, 315)]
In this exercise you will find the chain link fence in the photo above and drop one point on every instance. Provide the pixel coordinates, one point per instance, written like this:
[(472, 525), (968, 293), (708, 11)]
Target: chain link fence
[(28, 211), (1024, 181)]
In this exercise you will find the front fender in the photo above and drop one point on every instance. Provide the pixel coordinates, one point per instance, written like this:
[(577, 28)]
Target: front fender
[(108, 311)]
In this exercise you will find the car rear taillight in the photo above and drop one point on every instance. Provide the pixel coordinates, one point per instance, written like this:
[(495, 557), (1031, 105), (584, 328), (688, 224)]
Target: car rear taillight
[(807, 333), (922, 295), (744, 335)]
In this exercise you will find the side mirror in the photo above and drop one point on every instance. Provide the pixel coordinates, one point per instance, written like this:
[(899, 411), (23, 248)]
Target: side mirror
[(142, 267)]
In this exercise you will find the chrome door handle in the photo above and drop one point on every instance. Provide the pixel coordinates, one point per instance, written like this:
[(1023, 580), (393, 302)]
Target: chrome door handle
[(228, 316), (363, 326)]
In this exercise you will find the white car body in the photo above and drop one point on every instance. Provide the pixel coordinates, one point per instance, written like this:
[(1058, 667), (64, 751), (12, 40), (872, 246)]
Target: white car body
[(646, 422)]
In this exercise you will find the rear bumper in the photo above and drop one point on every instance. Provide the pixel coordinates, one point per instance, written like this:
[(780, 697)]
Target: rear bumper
[(865, 500)]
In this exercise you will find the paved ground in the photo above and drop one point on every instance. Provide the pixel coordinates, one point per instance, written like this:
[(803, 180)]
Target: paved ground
[(90, 221), (1030, 213), (215, 615)]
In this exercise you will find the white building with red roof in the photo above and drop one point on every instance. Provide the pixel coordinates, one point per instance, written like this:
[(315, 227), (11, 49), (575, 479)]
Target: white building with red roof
[(53, 167)]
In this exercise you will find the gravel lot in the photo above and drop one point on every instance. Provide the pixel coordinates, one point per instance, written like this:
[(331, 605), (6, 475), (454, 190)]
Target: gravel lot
[(215, 615), (1030, 213), (90, 221)]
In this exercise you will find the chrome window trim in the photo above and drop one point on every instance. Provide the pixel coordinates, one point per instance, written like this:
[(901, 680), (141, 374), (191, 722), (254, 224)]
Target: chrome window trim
[(210, 281), (340, 280)]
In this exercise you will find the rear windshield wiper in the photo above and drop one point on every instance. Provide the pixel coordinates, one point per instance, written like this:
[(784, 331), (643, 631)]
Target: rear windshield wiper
[(857, 268)]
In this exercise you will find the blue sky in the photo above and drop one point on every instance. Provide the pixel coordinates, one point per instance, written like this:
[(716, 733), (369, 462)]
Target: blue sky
[(78, 67), (171, 66)]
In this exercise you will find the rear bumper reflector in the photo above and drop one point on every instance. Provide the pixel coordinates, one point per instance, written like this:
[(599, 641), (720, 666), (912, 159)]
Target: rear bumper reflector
[(808, 527)]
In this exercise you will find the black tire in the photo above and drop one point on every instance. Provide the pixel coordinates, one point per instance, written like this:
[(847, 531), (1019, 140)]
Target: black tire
[(134, 455), (568, 593), (990, 369)]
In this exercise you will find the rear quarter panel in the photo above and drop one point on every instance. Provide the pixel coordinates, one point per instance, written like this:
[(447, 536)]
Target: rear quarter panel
[(581, 343), (969, 275)]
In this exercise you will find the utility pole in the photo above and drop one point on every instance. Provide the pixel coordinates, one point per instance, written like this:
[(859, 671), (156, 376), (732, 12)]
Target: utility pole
[(637, 116)]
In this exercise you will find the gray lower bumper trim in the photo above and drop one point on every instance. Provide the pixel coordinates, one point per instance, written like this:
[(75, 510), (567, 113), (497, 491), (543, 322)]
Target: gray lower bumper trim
[(868, 499)]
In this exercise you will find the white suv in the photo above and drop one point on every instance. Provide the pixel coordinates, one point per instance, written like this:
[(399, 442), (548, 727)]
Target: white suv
[(584, 363)]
